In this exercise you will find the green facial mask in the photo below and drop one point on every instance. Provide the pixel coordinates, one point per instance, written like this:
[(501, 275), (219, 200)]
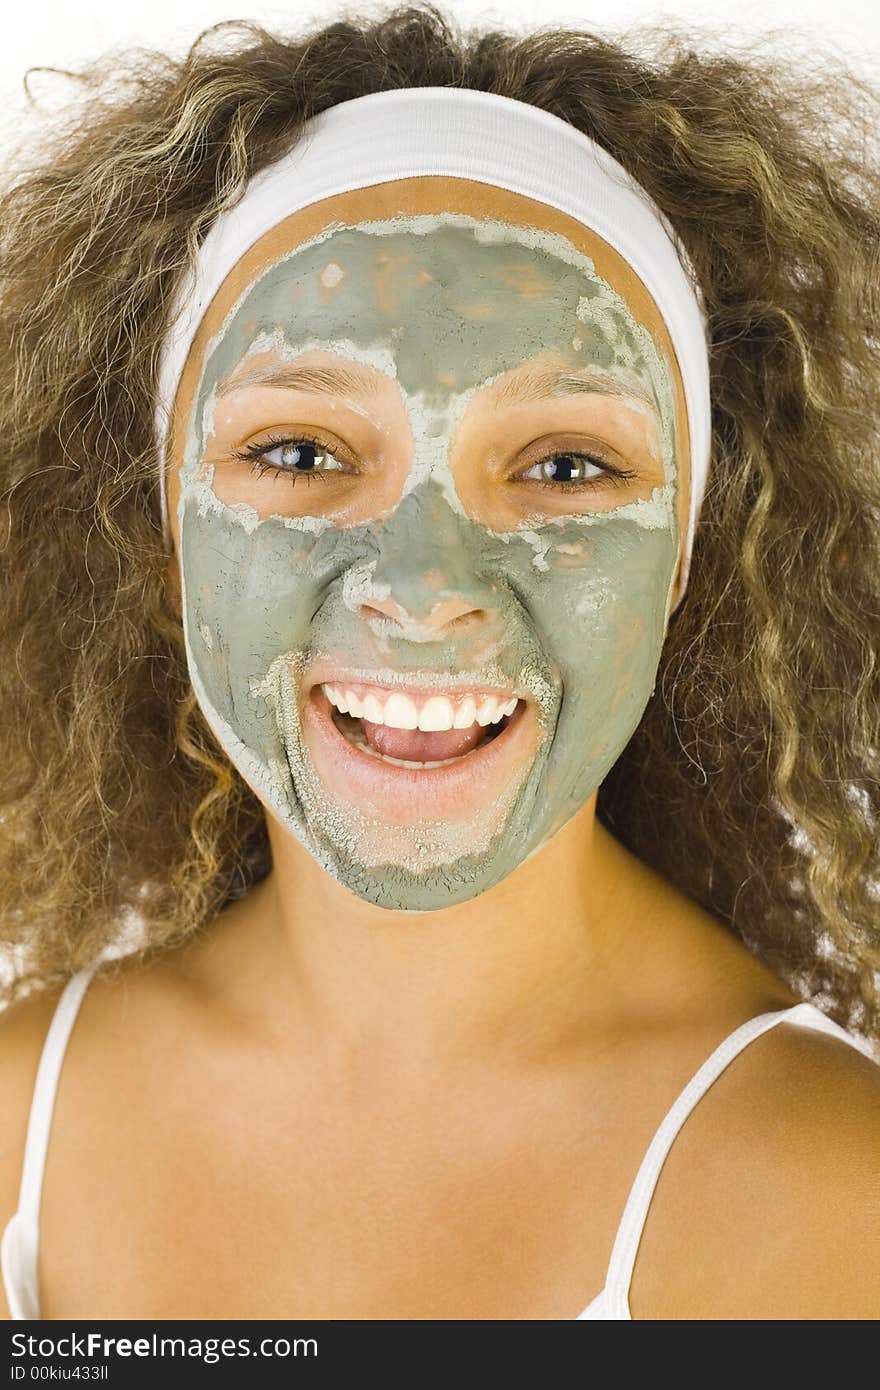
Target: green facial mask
[(576, 600)]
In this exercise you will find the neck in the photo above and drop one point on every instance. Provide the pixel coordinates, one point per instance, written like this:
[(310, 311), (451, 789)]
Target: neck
[(527, 967)]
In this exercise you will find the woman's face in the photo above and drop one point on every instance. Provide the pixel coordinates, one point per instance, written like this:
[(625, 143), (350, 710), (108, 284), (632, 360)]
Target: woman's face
[(429, 444)]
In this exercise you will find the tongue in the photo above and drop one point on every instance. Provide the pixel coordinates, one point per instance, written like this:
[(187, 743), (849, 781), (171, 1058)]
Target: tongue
[(419, 747)]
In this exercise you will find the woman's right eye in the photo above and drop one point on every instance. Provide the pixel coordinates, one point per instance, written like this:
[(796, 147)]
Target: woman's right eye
[(301, 456)]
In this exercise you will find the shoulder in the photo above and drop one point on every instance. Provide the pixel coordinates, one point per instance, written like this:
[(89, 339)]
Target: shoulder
[(767, 1206), (126, 1004), (23, 1028), (24, 1025)]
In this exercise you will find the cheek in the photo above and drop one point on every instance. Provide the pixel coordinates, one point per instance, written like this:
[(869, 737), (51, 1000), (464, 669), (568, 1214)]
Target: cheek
[(602, 626), (600, 605), (247, 600)]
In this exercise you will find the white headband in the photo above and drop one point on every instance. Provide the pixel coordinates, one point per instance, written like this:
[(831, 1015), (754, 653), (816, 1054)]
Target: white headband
[(464, 133)]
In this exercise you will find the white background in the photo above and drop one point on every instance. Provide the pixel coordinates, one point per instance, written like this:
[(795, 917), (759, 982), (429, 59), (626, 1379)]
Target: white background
[(58, 32)]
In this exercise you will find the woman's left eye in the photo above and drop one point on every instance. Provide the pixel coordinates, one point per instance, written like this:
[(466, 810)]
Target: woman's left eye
[(558, 472)]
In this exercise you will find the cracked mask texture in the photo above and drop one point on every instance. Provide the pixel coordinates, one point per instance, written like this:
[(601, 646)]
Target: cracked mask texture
[(574, 601)]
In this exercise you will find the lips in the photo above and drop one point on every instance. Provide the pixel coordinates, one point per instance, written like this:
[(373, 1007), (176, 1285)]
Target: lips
[(404, 795), (415, 722), (415, 746)]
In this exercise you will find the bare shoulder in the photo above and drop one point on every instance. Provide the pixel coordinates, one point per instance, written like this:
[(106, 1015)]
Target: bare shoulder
[(122, 999), (767, 1206), (23, 1028)]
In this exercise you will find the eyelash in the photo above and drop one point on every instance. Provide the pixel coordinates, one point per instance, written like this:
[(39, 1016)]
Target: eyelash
[(256, 454)]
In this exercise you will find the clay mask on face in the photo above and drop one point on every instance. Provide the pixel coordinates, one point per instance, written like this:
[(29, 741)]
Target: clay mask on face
[(486, 577)]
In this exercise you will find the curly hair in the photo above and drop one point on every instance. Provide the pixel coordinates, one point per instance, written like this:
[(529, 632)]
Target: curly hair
[(751, 782)]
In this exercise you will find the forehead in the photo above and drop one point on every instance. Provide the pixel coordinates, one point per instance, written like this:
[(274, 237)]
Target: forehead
[(505, 291), (452, 300), (411, 197)]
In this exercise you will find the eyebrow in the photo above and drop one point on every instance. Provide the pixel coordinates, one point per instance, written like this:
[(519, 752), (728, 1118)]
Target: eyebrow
[(541, 383), (341, 379), (350, 379)]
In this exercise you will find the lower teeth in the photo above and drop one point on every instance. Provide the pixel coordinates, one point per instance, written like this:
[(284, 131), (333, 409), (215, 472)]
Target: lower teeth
[(352, 730)]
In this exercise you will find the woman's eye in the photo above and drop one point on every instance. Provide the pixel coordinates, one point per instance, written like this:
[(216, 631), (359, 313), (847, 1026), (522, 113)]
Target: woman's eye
[(568, 472), (308, 457), (302, 457)]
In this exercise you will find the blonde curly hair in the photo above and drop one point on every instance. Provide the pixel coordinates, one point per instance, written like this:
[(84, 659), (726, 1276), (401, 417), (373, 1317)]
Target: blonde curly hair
[(751, 782)]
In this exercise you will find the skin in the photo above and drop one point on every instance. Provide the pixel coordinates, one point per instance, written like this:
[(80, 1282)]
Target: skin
[(431, 554), (350, 1111), (547, 919)]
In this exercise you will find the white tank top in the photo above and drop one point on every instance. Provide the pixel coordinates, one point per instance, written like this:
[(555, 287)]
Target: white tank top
[(20, 1247)]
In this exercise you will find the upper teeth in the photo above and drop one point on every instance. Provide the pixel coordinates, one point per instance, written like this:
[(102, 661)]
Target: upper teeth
[(431, 714)]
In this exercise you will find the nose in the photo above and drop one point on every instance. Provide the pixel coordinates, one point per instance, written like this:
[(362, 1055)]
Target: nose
[(447, 615), (426, 576)]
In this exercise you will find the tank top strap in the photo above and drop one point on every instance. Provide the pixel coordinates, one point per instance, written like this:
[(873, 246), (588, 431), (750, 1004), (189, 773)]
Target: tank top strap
[(21, 1237), (632, 1222), (45, 1087)]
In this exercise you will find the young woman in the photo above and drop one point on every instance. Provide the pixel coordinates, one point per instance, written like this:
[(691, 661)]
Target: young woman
[(446, 875)]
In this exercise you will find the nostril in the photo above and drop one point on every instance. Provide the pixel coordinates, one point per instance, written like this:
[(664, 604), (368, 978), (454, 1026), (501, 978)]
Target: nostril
[(434, 622), (465, 620)]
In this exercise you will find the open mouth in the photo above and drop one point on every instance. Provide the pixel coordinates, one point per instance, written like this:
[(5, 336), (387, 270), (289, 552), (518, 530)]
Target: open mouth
[(411, 732), (455, 773), (352, 729)]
